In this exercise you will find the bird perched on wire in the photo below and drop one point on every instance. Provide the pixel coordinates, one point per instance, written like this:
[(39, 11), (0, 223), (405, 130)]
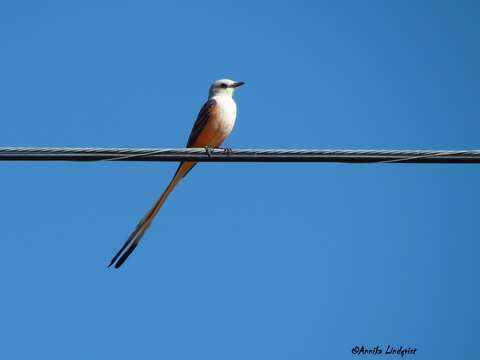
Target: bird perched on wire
[(213, 125)]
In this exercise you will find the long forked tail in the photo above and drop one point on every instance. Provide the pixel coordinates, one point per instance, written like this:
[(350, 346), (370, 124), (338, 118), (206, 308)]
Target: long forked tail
[(146, 221)]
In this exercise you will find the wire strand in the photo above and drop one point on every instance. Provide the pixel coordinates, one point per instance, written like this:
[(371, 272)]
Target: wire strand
[(240, 155)]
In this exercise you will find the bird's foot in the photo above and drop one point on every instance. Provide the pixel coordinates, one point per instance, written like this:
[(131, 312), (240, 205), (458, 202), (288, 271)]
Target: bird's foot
[(208, 150), (227, 150)]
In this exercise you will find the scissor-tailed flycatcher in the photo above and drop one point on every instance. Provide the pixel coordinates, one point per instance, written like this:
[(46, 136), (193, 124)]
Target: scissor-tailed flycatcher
[(214, 123)]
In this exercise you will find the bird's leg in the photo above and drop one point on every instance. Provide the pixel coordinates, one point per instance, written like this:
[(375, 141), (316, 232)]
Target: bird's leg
[(208, 150)]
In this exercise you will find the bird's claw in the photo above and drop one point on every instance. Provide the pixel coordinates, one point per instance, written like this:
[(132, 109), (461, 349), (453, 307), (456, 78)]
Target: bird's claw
[(227, 150), (208, 150)]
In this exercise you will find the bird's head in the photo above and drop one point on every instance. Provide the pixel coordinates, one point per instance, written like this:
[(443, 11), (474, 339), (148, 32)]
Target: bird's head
[(224, 87)]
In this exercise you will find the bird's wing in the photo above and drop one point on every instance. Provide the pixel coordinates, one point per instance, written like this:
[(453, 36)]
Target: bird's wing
[(201, 122)]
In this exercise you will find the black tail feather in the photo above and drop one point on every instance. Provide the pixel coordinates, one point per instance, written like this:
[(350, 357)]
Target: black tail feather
[(126, 254), (117, 255), (129, 245)]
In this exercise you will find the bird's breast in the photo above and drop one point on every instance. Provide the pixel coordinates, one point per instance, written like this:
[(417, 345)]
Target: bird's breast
[(225, 118)]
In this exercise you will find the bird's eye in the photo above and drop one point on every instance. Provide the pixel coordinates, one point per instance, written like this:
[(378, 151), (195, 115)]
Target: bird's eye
[(223, 85)]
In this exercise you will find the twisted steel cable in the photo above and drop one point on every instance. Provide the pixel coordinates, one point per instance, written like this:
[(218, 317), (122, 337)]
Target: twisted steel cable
[(240, 155)]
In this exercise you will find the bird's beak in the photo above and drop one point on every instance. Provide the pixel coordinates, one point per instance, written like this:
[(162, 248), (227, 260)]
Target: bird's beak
[(237, 84)]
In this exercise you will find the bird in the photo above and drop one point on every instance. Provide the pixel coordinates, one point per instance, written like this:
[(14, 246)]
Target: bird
[(214, 123)]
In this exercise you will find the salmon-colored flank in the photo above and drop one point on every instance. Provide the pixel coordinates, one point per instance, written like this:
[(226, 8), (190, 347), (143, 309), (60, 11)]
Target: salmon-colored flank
[(209, 134)]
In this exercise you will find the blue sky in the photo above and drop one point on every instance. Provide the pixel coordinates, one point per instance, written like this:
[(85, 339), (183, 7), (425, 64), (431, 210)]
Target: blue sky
[(257, 261)]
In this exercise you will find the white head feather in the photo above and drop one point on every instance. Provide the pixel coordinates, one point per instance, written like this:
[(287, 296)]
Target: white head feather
[(224, 87)]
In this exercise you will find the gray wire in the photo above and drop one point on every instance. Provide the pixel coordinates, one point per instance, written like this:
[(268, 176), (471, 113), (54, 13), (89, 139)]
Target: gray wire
[(239, 155)]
